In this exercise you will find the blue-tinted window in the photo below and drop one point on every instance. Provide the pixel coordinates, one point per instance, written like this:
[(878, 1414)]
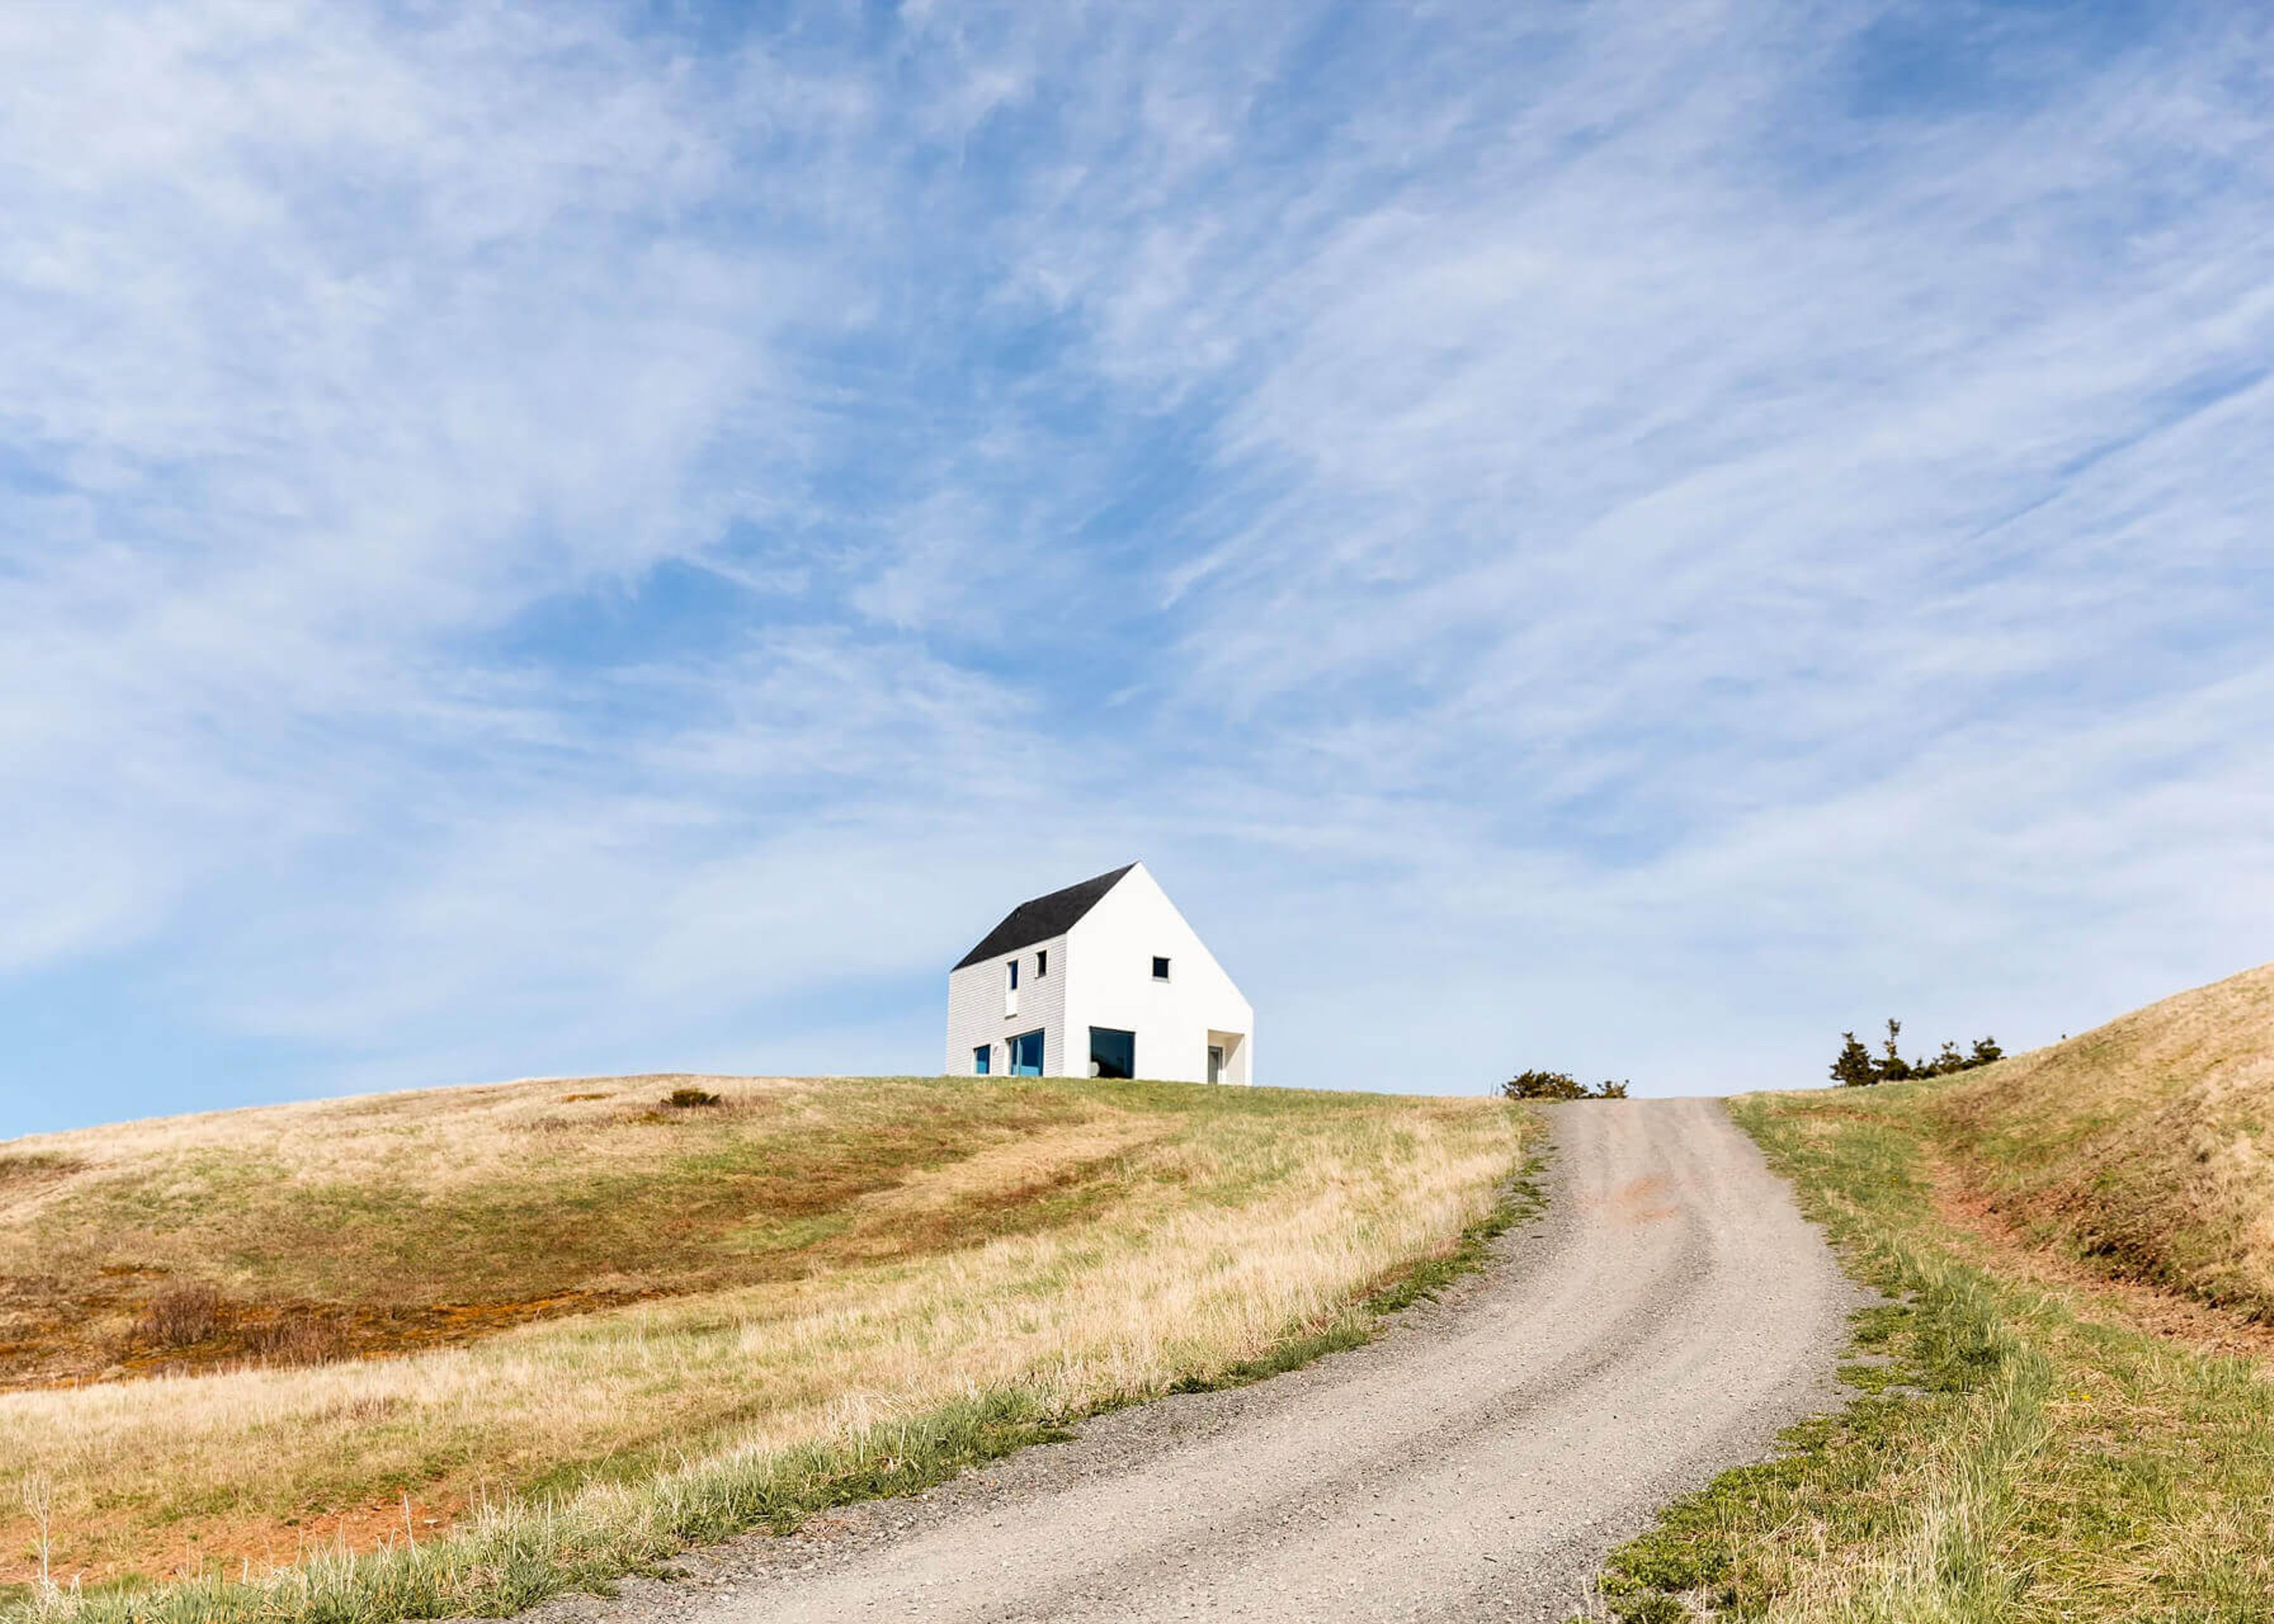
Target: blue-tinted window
[(980, 1056), (1014, 975), (1112, 1054), (1160, 969), (1027, 1054)]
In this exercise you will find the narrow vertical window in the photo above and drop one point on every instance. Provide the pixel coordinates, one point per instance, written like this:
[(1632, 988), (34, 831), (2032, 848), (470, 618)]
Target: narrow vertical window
[(979, 1059), (1041, 962), (1014, 975)]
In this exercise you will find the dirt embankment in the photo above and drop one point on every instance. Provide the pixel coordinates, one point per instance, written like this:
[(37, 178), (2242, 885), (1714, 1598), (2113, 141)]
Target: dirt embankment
[(2144, 1148)]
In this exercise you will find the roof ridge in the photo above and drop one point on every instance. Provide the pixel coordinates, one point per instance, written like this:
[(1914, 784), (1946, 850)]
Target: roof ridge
[(1038, 919)]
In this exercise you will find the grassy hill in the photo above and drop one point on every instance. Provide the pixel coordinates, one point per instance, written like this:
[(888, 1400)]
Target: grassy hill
[(2047, 1430), (2147, 1146), (549, 1331)]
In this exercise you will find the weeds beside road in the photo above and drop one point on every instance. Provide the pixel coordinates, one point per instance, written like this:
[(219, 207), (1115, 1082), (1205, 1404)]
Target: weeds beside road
[(2022, 1449)]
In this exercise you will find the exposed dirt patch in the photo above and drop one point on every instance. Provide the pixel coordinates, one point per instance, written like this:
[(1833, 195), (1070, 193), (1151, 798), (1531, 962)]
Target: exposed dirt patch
[(221, 1544), (2133, 1304), (1642, 1200)]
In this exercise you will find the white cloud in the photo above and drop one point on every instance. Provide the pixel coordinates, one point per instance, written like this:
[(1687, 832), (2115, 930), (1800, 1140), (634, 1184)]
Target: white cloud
[(1588, 502)]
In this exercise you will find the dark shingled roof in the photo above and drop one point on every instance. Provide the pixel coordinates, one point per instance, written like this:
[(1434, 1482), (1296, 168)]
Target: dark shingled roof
[(1043, 917)]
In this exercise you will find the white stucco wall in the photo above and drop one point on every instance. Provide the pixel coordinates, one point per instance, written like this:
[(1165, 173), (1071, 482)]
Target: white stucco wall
[(1111, 984)]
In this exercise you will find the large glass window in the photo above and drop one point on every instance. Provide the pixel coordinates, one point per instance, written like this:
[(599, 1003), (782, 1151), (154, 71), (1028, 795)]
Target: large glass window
[(1027, 1054), (1112, 1054), (980, 1056)]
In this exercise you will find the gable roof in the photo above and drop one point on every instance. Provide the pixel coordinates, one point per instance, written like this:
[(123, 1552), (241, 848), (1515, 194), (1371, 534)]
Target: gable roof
[(1041, 918)]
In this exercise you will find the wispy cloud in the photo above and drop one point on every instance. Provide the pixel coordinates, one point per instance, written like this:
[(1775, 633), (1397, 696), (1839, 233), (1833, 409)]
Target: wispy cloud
[(1632, 537)]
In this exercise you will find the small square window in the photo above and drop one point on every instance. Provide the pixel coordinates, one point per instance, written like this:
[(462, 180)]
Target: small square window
[(1160, 969), (1014, 975), (1041, 962), (980, 1056)]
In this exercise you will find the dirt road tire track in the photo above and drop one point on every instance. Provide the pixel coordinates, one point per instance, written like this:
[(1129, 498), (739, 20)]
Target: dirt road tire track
[(1665, 1318)]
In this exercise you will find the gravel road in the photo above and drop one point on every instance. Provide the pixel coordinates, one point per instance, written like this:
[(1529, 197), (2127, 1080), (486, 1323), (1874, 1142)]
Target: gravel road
[(1665, 1318)]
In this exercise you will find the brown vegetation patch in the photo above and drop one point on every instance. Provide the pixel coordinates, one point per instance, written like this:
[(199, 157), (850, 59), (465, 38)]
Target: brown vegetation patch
[(2146, 1146), (733, 1215), (119, 1329), (2010, 1248), (24, 1171)]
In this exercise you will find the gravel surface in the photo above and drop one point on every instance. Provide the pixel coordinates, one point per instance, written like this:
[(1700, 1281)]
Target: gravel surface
[(1669, 1313)]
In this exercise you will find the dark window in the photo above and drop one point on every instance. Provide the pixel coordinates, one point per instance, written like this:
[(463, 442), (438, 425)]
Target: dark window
[(1014, 975), (1041, 962), (1160, 969), (1112, 1054), (1026, 1054), (979, 1058)]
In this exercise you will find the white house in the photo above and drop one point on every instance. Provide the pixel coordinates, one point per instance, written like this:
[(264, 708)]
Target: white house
[(1102, 979)]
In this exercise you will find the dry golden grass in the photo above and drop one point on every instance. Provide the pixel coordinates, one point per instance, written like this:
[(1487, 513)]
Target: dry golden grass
[(2146, 1145), (2043, 1441), (787, 1268), (2022, 1452)]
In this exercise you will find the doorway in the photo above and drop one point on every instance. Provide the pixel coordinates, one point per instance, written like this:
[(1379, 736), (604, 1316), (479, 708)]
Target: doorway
[(1216, 1063), (1026, 1054)]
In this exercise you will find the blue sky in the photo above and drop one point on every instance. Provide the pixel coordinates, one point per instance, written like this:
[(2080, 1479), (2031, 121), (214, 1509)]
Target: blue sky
[(1627, 537)]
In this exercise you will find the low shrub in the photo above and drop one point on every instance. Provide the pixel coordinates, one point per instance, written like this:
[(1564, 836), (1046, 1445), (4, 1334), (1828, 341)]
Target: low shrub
[(1559, 1085), (302, 1336), (1857, 1067), (180, 1317), (688, 1099)]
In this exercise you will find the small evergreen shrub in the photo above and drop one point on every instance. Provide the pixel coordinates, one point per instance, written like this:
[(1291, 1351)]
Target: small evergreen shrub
[(1855, 1066), (1559, 1085)]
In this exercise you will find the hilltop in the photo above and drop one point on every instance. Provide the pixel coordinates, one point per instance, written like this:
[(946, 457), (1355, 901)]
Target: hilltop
[(2146, 1146), (665, 1306), (2045, 1429)]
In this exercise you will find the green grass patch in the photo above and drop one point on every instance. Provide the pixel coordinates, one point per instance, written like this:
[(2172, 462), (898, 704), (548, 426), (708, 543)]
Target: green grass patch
[(2011, 1458)]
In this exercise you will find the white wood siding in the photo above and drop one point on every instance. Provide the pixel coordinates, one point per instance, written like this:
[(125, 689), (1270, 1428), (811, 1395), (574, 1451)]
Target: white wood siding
[(974, 1010)]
